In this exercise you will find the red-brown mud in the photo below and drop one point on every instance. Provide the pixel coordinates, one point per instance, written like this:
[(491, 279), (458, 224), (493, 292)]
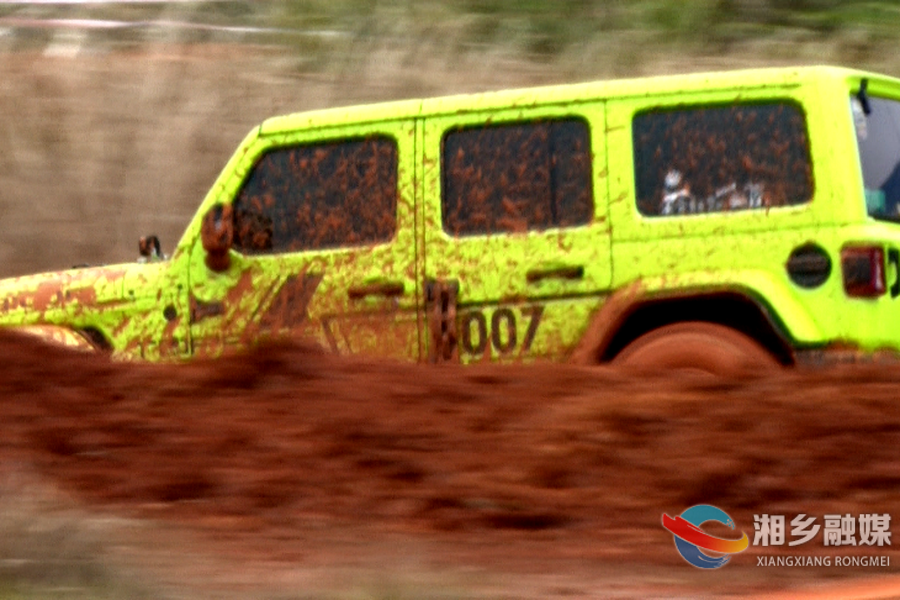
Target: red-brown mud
[(276, 454)]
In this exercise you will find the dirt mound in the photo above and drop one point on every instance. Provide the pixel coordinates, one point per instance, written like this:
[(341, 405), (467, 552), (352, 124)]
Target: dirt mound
[(269, 449)]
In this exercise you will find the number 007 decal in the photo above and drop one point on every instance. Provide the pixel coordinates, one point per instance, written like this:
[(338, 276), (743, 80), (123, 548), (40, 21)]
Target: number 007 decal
[(476, 331)]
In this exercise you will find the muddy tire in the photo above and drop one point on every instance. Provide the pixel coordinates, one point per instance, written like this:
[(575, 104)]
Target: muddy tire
[(696, 346)]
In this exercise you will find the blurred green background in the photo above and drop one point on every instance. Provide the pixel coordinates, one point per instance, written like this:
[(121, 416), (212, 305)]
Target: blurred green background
[(115, 118)]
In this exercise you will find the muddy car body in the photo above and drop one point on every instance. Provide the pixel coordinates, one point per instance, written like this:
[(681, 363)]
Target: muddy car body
[(672, 220)]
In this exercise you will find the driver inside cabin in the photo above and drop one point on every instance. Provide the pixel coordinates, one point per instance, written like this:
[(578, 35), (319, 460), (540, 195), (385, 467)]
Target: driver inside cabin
[(878, 139)]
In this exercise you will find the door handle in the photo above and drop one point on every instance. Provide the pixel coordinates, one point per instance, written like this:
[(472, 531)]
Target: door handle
[(569, 272), (377, 288)]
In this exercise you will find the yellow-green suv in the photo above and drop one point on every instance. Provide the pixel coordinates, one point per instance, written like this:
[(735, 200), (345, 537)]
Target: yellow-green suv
[(749, 216)]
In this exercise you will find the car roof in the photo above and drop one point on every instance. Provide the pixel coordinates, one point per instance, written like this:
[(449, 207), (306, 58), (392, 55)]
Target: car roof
[(557, 94)]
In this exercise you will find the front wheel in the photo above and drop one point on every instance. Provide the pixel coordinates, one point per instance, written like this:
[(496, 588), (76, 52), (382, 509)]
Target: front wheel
[(698, 346)]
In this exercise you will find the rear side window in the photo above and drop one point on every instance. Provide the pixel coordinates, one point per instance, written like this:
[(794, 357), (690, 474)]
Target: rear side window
[(721, 158), (310, 197), (517, 177)]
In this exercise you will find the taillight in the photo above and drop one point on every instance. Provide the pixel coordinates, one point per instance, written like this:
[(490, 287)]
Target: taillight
[(863, 268)]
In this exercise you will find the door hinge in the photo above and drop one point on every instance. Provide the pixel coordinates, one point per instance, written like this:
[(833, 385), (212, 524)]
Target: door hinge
[(201, 310), (440, 303)]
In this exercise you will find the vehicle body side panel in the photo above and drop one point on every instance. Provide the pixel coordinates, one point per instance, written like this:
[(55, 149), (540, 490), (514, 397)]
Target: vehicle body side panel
[(505, 311), (309, 292)]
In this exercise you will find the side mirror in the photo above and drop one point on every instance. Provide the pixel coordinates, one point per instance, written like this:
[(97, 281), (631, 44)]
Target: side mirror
[(150, 249), (217, 235)]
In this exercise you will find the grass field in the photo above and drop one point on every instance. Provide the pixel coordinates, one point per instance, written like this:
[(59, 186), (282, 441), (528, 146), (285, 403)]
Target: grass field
[(115, 119), (570, 33), (52, 548)]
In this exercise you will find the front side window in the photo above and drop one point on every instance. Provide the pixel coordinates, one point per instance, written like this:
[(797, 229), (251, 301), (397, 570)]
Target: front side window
[(721, 158), (878, 138), (517, 177), (317, 196)]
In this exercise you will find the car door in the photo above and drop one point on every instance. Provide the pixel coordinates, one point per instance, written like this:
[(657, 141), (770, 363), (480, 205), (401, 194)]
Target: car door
[(516, 241), (324, 246)]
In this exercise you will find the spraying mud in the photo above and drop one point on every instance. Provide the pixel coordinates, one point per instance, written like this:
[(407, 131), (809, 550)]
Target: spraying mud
[(291, 455)]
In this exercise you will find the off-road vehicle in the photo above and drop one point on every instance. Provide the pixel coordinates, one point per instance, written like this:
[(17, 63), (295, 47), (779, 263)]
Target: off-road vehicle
[(748, 216)]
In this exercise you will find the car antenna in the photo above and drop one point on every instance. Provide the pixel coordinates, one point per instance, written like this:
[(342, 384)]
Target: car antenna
[(863, 96)]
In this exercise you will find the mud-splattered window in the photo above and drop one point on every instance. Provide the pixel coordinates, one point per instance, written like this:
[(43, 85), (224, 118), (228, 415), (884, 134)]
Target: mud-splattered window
[(721, 158), (515, 178), (319, 196)]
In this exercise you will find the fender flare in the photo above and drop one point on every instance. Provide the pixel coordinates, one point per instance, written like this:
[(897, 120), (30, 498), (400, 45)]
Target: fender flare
[(614, 315)]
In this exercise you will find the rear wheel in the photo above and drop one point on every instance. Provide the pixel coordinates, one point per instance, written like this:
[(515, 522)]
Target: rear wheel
[(697, 346)]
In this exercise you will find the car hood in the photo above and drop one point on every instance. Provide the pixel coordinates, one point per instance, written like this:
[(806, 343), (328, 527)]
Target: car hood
[(39, 298)]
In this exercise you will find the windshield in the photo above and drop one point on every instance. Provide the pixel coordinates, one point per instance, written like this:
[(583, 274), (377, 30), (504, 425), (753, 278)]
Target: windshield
[(878, 138)]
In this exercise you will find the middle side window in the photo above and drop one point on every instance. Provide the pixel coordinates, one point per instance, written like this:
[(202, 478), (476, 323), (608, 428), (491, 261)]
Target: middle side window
[(516, 177)]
